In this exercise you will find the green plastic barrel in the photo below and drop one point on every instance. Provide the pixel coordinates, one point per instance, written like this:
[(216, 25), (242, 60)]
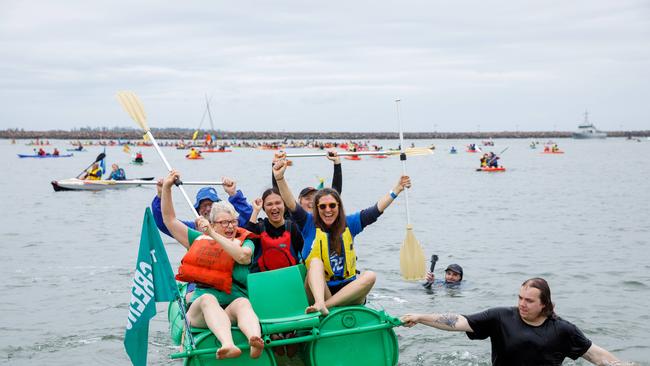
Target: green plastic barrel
[(208, 340), (375, 347)]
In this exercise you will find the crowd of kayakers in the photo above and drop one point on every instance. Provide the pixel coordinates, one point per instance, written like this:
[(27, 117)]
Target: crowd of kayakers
[(229, 240)]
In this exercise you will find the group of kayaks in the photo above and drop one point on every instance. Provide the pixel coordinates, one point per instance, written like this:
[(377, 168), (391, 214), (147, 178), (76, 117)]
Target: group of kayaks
[(46, 156)]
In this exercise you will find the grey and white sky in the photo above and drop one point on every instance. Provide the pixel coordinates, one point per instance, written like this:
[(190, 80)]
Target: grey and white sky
[(327, 65)]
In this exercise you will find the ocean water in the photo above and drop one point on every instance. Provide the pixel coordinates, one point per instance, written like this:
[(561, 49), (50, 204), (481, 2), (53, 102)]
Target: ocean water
[(581, 220)]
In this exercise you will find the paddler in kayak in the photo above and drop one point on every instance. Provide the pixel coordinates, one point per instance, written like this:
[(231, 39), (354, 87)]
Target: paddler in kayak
[(193, 154), (95, 172), (138, 157), (205, 197), (217, 259), (453, 276), (41, 152), (493, 160), (332, 278), (117, 173), (56, 152), (529, 334), (484, 161)]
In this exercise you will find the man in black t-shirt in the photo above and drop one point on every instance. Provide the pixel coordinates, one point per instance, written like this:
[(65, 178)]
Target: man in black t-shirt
[(529, 334)]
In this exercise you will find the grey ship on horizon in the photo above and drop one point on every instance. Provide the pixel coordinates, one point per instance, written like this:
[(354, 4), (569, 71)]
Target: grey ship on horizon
[(588, 131)]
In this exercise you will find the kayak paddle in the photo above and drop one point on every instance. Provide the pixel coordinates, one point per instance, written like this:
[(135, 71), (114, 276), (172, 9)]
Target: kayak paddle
[(411, 255), (434, 259), (132, 105), (149, 182), (99, 158)]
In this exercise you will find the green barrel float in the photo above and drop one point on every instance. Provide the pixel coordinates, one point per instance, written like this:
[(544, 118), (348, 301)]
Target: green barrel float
[(355, 335), (206, 340)]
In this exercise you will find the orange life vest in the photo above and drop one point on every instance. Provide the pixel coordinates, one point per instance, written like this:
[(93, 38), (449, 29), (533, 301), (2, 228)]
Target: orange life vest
[(207, 263)]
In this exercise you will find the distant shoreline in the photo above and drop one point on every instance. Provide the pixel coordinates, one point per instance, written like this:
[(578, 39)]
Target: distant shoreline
[(186, 134)]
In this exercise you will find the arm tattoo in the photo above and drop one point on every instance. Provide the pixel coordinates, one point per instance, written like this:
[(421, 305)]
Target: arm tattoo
[(449, 320)]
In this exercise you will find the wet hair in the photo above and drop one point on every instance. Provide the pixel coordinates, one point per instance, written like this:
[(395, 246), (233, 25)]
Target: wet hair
[(338, 227), (544, 295), (220, 207)]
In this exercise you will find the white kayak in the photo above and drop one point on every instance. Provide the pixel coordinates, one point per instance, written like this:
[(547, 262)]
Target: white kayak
[(74, 184)]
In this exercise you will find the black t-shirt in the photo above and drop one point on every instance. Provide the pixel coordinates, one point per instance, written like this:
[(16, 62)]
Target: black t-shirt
[(517, 343)]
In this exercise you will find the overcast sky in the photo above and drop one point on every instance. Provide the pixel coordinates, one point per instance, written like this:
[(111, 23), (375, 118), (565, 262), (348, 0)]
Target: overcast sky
[(327, 65)]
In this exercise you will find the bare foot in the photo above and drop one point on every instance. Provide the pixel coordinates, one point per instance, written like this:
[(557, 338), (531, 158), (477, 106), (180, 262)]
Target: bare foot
[(257, 346), (228, 351), (317, 307)]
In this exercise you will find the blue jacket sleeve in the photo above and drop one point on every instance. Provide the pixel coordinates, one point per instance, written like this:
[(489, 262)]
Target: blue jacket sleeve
[(157, 216), (245, 210)]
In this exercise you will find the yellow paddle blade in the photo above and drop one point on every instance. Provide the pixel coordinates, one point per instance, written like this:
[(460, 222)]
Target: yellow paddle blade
[(411, 257), (132, 105)]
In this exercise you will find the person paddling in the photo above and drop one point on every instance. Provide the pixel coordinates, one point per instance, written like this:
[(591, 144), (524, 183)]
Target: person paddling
[(529, 334), (332, 278), (117, 173), (217, 259), (95, 172)]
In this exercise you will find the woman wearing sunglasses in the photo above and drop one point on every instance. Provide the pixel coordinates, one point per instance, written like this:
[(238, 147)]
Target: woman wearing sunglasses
[(217, 261), (332, 277)]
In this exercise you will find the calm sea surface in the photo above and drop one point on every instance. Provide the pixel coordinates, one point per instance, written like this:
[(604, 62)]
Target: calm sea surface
[(581, 220)]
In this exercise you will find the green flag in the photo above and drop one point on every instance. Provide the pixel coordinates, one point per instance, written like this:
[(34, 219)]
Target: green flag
[(153, 282)]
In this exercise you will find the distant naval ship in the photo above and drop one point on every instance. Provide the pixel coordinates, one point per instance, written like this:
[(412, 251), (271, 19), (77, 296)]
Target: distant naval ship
[(588, 131)]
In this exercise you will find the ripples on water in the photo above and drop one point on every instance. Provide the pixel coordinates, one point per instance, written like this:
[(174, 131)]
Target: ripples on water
[(580, 220)]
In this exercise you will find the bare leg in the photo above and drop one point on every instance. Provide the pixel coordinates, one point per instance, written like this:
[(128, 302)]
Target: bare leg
[(355, 292), (317, 286), (206, 311), (242, 313)]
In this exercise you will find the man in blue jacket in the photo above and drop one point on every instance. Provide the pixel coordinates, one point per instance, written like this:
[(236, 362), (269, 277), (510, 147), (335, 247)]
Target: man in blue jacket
[(205, 197)]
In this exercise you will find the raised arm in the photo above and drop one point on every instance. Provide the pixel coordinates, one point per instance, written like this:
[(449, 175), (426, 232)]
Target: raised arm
[(233, 247), (176, 228), (337, 177), (387, 199), (600, 356), (257, 207), (278, 172), (449, 322), (237, 200)]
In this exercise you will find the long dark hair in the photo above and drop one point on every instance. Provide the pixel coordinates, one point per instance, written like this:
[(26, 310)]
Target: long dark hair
[(338, 227), (544, 295)]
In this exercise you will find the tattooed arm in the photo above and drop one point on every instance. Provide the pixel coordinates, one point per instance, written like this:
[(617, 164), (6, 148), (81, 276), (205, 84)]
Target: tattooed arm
[(451, 322)]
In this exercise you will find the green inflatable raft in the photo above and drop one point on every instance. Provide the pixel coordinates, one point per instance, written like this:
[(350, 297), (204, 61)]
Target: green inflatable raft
[(349, 335)]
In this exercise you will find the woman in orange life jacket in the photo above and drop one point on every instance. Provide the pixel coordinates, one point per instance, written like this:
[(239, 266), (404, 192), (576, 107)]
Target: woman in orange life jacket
[(221, 295), (332, 278), (280, 245)]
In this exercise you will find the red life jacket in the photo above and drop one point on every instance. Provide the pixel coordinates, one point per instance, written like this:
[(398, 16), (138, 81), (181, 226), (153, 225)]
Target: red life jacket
[(207, 263), (276, 252)]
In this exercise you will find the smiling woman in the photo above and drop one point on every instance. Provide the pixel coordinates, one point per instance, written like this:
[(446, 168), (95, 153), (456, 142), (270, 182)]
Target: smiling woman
[(332, 277)]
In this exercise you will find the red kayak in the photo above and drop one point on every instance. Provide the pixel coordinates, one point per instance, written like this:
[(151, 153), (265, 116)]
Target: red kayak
[(216, 150), (552, 152), (499, 169), (194, 158), (472, 151), (353, 157), (380, 156)]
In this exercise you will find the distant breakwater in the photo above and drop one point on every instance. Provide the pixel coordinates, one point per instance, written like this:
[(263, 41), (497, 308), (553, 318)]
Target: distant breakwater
[(186, 134)]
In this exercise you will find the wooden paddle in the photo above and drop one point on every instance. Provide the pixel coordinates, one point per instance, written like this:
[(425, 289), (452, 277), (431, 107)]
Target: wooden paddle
[(411, 255), (414, 151), (132, 105), (99, 158)]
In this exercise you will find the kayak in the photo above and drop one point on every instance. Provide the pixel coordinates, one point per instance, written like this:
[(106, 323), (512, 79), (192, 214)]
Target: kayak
[(347, 336), (552, 152), (380, 156), (74, 184), (194, 158), (353, 157), (472, 151), (137, 162), (44, 156), (499, 169), (77, 150)]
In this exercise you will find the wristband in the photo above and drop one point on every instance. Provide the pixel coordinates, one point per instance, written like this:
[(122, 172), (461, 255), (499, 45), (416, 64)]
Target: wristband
[(393, 195)]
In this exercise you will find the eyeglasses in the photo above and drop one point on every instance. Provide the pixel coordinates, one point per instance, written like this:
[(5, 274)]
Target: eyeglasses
[(331, 205), (225, 223)]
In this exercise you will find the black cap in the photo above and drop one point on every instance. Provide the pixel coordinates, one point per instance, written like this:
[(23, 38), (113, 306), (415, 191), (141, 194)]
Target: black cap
[(455, 268), (306, 191)]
